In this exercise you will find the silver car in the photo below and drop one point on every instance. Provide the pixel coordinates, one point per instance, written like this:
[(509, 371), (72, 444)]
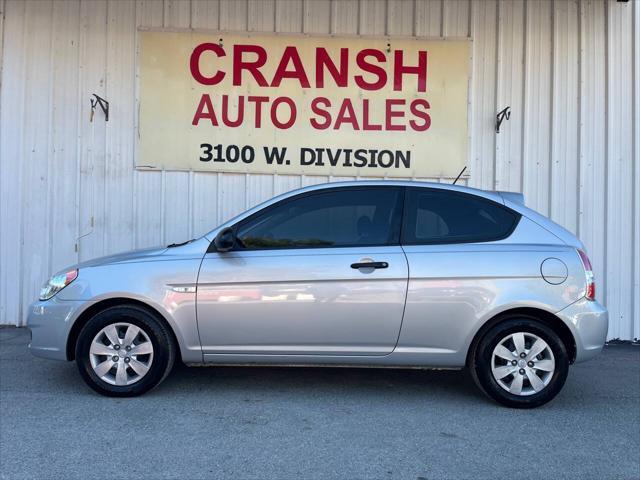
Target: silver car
[(369, 273)]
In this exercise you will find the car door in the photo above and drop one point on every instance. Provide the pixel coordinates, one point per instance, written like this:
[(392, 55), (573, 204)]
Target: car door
[(320, 273)]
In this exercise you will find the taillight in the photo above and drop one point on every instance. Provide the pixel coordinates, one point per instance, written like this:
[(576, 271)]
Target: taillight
[(588, 271)]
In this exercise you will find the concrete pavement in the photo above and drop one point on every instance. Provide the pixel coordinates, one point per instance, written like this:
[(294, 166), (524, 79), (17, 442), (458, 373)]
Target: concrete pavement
[(299, 423)]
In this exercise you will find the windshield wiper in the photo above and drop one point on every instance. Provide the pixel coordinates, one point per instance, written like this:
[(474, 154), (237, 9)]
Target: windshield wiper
[(180, 244)]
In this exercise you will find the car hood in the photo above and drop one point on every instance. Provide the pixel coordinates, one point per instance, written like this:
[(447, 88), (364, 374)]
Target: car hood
[(132, 256)]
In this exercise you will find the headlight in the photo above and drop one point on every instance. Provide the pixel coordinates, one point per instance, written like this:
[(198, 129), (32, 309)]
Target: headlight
[(57, 283)]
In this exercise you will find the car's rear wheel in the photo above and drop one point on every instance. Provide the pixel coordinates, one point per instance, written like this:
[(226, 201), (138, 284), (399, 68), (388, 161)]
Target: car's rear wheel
[(124, 351), (520, 362)]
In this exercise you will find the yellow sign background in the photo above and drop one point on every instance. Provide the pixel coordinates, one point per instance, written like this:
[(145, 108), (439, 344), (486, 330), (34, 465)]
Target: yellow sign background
[(170, 96)]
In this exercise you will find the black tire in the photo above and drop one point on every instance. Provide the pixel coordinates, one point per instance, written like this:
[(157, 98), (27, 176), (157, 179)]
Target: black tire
[(480, 362), (164, 350)]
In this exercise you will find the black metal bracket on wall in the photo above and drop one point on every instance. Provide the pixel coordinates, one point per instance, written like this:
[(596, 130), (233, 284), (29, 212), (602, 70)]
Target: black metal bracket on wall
[(502, 115), (104, 105)]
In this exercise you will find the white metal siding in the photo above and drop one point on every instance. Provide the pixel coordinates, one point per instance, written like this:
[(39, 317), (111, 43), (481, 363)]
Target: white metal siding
[(570, 71)]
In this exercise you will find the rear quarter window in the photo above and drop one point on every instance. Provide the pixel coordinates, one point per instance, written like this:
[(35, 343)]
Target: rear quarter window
[(439, 216)]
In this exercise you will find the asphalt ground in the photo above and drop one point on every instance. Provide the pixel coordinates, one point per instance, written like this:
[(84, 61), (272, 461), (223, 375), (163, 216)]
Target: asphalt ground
[(314, 423)]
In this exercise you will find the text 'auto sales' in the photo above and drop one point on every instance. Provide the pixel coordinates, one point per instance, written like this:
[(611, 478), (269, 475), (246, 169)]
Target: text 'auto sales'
[(365, 69)]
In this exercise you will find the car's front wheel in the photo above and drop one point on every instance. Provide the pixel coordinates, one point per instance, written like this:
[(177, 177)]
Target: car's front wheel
[(520, 362), (124, 351)]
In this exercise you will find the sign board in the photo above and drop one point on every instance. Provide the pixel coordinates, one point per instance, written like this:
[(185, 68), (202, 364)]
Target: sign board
[(294, 104)]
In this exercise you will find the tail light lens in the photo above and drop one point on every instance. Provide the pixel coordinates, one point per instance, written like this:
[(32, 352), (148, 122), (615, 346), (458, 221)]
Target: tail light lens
[(588, 271)]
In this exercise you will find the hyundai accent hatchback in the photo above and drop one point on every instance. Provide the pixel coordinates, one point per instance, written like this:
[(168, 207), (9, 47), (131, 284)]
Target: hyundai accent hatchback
[(370, 273)]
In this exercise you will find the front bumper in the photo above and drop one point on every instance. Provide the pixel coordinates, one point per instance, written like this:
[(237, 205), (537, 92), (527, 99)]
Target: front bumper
[(589, 323), (50, 322)]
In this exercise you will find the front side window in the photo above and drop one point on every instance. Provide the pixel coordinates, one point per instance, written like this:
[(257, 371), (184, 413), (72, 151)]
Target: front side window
[(439, 216), (341, 217)]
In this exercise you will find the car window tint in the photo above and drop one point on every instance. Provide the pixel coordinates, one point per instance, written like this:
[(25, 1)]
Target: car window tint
[(433, 216), (338, 218)]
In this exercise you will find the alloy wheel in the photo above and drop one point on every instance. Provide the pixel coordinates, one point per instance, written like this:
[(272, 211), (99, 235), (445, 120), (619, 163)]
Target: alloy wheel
[(121, 354), (522, 363)]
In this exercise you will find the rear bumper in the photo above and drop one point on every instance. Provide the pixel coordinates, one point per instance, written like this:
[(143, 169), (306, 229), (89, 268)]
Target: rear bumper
[(589, 323), (50, 322)]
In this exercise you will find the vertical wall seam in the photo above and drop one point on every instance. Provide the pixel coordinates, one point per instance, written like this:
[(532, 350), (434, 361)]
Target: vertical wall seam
[(275, 16), (79, 139), (191, 203), (634, 160), (163, 207), (2, 269), (302, 7), (605, 256), (579, 119), (246, 190), (496, 89), (414, 23), (552, 73), (218, 196), (246, 17), (525, 8), (332, 16), (386, 19), (132, 178), (3, 13), (471, 89), (134, 187), (304, 16), (21, 249), (441, 18), (106, 132), (135, 174), (51, 153)]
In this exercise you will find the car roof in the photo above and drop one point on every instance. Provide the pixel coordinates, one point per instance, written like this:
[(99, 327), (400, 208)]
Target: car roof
[(492, 195)]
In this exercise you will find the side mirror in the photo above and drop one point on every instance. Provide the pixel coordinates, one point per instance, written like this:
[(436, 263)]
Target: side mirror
[(225, 240)]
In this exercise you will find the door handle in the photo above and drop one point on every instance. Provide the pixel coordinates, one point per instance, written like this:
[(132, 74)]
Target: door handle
[(370, 265)]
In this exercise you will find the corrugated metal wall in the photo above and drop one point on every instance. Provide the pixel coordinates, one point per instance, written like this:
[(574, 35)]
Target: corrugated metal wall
[(568, 69)]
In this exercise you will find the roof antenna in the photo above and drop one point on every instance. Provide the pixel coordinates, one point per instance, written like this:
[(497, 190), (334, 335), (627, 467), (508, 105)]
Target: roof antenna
[(459, 175)]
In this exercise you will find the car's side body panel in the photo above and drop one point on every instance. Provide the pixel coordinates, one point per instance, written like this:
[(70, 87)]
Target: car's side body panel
[(455, 289), (302, 301), (165, 280)]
